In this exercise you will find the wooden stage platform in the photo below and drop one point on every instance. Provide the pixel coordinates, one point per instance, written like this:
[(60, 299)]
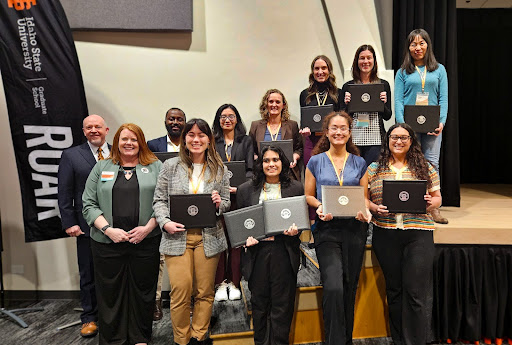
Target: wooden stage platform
[(485, 216)]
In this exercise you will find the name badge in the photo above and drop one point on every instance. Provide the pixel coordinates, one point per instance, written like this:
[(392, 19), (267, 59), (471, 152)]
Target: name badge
[(107, 175), (363, 120), (422, 98)]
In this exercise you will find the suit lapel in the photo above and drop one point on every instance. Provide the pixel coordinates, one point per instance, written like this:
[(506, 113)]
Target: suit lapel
[(87, 154), (233, 151), (255, 197), (284, 130), (220, 150)]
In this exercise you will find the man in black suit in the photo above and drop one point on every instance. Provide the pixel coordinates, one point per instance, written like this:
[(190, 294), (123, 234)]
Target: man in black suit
[(174, 122), (75, 165)]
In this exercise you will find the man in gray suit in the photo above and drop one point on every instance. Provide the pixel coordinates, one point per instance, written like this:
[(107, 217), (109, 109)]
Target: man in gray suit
[(75, 165), (174, 122)]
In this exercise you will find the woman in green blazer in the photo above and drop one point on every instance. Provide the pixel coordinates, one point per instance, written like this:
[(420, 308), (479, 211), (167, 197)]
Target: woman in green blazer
[(117, 203)]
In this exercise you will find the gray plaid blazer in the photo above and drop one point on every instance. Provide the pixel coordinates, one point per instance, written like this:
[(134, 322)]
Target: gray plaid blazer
[(173, 179)]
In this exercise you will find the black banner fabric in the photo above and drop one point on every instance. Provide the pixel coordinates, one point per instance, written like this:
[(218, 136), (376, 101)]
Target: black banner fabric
[(46, 104)]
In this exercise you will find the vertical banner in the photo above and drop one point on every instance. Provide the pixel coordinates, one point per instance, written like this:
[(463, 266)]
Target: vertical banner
[(45, 101)]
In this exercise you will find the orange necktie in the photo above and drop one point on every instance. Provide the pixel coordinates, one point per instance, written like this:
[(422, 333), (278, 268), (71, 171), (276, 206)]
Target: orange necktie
[(100, 154)]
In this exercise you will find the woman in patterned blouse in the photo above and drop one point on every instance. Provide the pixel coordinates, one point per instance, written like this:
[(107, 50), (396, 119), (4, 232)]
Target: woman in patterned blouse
[(404, 243)]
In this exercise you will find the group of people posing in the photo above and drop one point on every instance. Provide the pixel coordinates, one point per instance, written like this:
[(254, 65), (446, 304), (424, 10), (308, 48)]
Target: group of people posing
[(126, 210)]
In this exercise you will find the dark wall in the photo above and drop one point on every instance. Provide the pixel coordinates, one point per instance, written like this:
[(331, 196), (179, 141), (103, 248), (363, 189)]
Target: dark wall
[(485, 94), (129, 14)]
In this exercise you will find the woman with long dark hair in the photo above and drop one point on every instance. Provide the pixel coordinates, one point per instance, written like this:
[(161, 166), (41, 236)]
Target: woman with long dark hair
[(368, 128), (275, 124), (322, 90), (192, 255), (404, 243), (422, 80), (232, 144), (125, 236), (271, 265), (339, 242)]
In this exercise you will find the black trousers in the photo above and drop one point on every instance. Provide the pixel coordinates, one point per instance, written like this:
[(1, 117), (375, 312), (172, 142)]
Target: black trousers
[(369, 153), (406, 258), (340, 259), (86, 270), (273, 284), (126, 275)]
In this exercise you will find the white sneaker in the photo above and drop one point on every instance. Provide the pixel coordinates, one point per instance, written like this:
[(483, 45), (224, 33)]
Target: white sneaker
[(234, 292), (222, 292)]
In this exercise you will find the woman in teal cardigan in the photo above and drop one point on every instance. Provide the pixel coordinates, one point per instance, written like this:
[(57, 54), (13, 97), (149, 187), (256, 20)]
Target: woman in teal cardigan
[(117, 203), (421, 80)]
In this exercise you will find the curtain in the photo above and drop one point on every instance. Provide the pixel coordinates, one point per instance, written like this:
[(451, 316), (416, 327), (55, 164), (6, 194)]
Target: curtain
[(439, 19), (472, 292), (485, 98)]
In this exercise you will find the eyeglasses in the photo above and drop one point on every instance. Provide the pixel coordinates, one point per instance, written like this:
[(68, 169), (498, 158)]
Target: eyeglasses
[(230, 117), (414, 44), (403, 138), (341, 129)]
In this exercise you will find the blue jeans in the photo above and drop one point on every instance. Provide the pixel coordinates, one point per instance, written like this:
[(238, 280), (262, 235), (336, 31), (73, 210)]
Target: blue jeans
[(431, 147)]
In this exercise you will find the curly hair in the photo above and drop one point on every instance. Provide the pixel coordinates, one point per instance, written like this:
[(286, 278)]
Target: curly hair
[(285, 115), (430, 61), (259, 177), (212, 158), (239, 127), (356, 72), (324, 144), (416, 161), (146, 157), (332, 88)]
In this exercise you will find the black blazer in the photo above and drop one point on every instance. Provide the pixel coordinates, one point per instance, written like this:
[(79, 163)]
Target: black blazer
[(242, 150), (246, 196), (75, 165), (158, 144)]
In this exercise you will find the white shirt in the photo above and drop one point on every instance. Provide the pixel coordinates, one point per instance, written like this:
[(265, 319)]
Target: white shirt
[(196, 174), (171, 147), (104, 148)]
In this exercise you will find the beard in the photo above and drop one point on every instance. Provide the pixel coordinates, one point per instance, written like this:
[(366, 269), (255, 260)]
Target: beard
[(172, 133)]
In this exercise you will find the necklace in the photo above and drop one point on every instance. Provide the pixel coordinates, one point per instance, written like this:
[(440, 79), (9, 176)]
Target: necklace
[(128, 171)]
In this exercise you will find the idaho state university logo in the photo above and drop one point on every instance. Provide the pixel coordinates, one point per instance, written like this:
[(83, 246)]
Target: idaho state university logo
[(20, 5)]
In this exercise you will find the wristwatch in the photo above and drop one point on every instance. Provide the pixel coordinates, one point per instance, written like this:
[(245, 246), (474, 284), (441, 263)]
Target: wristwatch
[(103, 229)]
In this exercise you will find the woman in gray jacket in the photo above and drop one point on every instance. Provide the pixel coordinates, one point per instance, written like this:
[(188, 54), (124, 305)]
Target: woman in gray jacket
[(192, 255)]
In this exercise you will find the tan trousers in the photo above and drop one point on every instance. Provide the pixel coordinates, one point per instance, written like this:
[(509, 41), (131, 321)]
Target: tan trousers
[(160, 276), (191, 274)]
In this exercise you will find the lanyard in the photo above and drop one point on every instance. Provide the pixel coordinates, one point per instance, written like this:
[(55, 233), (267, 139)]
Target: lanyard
[(195, 188), (273, 137), (340, 179), (318, 99), (265, 191), (423, 77), (228, 155)]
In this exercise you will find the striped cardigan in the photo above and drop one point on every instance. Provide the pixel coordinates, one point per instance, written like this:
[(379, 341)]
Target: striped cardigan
[(410, 221)]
